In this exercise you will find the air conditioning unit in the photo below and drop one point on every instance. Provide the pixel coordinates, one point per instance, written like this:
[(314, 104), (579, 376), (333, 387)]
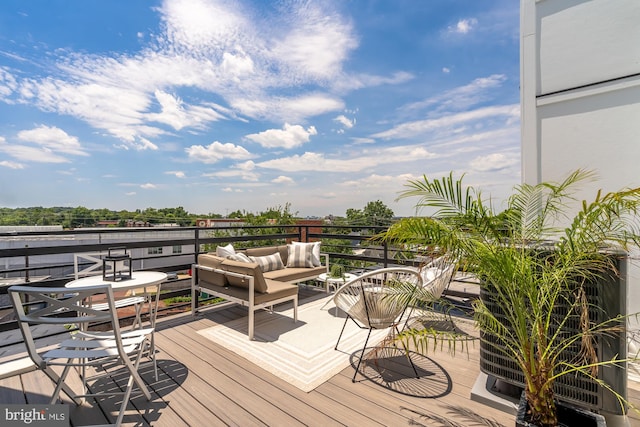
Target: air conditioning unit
[(610, 295)]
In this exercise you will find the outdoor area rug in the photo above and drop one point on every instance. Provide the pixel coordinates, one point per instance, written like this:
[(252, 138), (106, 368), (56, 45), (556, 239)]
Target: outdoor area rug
[(301, 353)]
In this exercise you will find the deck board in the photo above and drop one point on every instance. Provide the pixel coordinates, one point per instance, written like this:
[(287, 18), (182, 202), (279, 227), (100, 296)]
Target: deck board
[(202, 383)]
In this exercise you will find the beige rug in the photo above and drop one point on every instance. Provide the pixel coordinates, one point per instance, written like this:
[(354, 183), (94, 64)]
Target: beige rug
[(300, 353)]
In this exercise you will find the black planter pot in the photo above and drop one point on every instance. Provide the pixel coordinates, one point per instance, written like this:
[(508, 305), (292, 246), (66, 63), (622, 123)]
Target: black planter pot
[(568, 416)]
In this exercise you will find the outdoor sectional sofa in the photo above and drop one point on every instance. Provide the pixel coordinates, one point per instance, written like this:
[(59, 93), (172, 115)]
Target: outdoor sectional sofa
[(257, 277)]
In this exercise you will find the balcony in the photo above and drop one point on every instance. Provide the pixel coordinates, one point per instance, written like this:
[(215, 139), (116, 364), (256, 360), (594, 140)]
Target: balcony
[(203, 383)]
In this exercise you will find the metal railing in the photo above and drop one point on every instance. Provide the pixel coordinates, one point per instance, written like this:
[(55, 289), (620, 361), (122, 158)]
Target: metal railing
[(46, 258)]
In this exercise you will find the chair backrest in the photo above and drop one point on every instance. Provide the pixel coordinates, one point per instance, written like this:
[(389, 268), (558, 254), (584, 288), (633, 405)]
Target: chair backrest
[(62, 306), (436, 276), (379, 298)]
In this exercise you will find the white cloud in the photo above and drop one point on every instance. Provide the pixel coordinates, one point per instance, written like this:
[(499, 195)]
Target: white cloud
[(217, 151), (359, 81), (493, 162), (317, 45), (130, 193), (357, 162), (175, 114), (360, 140), (48, 145), (294, 108), (344, 121), (462, 97), (233, 173), (290, 136), (464, 26), (446, 70), (54, 139), (201, 25), (148, 186), (8, 83), (283, 180), (249, 165), (216, 49), (177, 174), (419, 127), (379, 181), (11, 165), (244, 170), (145, 144)]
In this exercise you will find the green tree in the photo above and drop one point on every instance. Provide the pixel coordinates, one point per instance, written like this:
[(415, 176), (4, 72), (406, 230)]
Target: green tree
[(374, 213), (377, 213)]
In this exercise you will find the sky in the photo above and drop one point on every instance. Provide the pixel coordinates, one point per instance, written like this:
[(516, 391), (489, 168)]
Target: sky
[(218, 106)]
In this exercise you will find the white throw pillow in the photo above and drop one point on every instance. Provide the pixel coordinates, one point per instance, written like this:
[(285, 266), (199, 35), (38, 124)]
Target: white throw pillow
[(315, 252), (239, 256), (268, 262), (300, 256), (225, 251), (428, 274)]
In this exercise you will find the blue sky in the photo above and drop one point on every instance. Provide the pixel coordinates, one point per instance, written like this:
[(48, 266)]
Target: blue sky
[(224, 105)]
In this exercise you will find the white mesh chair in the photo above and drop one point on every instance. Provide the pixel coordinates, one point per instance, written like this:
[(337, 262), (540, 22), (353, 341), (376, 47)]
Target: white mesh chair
[(86, 348), (377, 300), (436, 276)]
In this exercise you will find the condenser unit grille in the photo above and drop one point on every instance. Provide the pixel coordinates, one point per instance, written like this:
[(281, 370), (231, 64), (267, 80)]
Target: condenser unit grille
[(574, 388)]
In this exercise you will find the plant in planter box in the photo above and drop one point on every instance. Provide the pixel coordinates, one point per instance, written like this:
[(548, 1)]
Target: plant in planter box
[(533, 266), (337, 271)]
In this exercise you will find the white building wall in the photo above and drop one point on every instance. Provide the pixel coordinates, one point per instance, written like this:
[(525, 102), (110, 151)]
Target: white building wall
[(580, 97)]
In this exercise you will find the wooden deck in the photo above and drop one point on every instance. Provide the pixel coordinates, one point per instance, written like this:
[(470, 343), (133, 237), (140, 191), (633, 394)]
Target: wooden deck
[(202, 383)]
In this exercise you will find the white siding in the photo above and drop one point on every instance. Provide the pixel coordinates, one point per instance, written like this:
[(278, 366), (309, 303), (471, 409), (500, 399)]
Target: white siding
[(580, 97)]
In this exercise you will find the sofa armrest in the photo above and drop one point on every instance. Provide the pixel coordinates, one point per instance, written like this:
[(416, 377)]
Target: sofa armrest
[(195, 285), (326, 260)]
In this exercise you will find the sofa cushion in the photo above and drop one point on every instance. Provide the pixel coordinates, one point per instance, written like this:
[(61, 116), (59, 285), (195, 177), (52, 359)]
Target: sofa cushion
[(300, 256), (246, 268), (268, 262), (295, 274), (213, 261), (275, 290), (316, 251), (269, 250), (225, 251)]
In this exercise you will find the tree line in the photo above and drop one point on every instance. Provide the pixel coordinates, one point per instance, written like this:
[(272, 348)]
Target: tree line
[(373, 213)]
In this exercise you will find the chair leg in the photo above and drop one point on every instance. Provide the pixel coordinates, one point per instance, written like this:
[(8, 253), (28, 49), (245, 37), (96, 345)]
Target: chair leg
[(353, 380), (406, 352), (134, 378), (61, 385), (133, 369), (341, 332)]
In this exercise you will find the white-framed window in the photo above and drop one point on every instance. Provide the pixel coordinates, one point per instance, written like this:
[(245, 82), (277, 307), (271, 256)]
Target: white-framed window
[(154, 251), (177, 249)]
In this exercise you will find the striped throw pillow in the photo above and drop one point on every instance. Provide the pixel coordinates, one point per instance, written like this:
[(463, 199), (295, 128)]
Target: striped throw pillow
[(316, 251), (300, 256), (268, 262)]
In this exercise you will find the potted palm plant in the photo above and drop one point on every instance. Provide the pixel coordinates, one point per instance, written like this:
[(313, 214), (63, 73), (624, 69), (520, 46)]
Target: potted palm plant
[(534, 257)]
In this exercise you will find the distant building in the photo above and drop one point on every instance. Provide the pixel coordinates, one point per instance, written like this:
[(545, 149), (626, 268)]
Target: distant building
[(218, 222), (107, 223)]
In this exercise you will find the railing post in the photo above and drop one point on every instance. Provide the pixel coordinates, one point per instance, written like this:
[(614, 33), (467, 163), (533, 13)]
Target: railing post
[(26, 266), (196, 243), (385, 254), (195, 294)]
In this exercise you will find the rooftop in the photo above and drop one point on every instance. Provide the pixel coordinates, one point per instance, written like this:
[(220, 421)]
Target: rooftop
[(201, 382)]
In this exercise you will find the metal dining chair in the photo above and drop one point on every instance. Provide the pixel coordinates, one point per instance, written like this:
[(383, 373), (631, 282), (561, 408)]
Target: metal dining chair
[(85, 349)]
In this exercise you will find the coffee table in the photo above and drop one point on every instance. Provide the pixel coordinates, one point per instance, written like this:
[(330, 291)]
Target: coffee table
[(335, 282)]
